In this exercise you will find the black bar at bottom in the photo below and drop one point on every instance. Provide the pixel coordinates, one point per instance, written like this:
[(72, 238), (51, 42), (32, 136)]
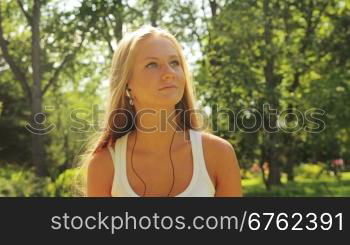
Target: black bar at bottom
[(162, 220)]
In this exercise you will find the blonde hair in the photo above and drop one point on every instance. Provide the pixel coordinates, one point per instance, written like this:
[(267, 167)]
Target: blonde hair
[(119, 115)]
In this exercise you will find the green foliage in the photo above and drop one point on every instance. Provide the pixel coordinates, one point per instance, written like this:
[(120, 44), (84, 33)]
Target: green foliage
[(281, 53), (13, 115), (65, 185), (302, 187), (18, 182), (308, 171)]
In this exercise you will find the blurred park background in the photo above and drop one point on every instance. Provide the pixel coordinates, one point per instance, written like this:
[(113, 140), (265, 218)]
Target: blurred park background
[(291, 55)]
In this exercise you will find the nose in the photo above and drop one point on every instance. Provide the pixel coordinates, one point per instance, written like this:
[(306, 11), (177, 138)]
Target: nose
[(168, 72)]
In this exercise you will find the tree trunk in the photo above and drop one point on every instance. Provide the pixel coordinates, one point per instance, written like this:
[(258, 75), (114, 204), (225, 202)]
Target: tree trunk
[(33, 91), (261, 163), (290, 150), (38, 152), (289, 170), (272, 81), (154, 12), (119, 15), (274, 174)]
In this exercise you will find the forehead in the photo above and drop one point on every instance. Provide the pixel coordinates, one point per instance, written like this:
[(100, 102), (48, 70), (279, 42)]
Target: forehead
[(155, 46)]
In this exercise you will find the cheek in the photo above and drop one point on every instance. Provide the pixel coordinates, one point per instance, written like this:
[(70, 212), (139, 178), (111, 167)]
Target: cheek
[(181, 79), (144, 85), (149, 78), (142, 80)]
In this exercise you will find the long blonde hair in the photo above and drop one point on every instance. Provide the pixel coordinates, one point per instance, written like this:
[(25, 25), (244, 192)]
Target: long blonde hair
[(119, 115)]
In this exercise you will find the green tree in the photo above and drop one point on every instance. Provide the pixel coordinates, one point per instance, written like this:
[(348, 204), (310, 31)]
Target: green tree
[(43, 72), (268, 52)]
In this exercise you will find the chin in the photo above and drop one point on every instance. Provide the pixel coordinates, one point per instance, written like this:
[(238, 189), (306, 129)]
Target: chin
[(168, 102)]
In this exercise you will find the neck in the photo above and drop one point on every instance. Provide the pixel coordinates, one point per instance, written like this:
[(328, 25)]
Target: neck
[(156, 129)]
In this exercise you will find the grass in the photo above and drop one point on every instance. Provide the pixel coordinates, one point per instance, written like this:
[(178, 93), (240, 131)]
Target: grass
[(325, 186)]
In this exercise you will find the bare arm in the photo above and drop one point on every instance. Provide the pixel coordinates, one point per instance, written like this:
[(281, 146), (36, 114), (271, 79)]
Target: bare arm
[(100, 175), (223, 165), (228, 173)]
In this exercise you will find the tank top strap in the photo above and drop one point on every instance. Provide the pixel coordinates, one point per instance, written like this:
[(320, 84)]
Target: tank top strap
[(115, 153), (199, 155), (112, 152), (121, 185), (119, 169), (196, 141)]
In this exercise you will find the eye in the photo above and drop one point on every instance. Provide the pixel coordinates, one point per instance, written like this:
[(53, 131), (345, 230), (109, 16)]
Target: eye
[(175, 63), (151, 65)]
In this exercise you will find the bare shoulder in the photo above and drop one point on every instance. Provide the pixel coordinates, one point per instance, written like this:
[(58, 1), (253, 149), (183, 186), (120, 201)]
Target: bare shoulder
[(221, 160), (100, 174), (101, 162), (217, 151), (216, 145)]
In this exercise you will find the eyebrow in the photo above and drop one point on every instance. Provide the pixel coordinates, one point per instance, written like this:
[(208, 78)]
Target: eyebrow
[(156, 58)]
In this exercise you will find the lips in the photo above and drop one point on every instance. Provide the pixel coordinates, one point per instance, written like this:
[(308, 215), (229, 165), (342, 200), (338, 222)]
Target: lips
[(167, 86)]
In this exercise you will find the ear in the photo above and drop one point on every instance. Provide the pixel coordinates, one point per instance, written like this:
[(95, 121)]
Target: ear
[(128, 86)]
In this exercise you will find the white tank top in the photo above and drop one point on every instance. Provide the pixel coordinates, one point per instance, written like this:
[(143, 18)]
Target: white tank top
[(200, 184)]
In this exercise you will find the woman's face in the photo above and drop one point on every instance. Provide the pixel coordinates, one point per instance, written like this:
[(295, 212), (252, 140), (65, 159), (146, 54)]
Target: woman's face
[(158, 79)]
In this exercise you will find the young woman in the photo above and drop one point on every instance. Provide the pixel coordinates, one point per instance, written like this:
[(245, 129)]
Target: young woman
[(151, 145)]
